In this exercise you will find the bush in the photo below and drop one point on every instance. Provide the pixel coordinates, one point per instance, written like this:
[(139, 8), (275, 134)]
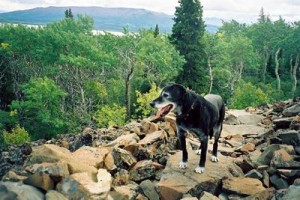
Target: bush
[(17, 136), (110, 115), (248, 95), (143, 101)]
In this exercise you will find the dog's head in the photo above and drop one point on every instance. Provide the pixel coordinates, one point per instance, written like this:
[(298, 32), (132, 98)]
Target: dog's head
[(169, 99)]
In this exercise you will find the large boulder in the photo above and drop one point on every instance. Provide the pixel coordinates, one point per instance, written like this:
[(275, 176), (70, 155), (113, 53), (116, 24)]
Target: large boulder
[(144, 169), (52, 154), (176, 182), (292, 110), (235, 117)]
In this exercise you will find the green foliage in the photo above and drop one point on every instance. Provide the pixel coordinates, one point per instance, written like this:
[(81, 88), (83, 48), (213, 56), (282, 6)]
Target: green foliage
[(17, 136), (143, 101), (246, 95), (41, 109), (110, 115)]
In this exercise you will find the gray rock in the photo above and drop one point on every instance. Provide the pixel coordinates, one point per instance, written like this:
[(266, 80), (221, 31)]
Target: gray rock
[(290, 137), (278, 182), (266, 157), (254, 174), (54, 195), (24, 192), (149, 190), (283, 123), (292, 110), (293, 192)]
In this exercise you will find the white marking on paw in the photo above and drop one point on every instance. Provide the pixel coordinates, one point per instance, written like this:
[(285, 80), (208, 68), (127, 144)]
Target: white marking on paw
[(214, 159), (182, 165), (199, 170), (198, 151)]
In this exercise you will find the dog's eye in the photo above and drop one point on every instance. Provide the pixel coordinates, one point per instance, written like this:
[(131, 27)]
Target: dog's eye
[(165, 95)]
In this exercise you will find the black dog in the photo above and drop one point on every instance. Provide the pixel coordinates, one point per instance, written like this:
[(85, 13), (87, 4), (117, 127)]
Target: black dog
[(201, 115)]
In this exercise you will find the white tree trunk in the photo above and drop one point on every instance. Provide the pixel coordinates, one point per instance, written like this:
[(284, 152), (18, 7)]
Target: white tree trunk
[(277, 64)]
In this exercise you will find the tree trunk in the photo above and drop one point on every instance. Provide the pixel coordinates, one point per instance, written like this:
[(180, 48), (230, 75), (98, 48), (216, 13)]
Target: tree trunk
[(265, 66), (129, 76), (210, 75), (294, 73), (277, 68)]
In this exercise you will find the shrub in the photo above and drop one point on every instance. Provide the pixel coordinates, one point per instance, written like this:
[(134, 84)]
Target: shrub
[(143, 101), (248, 95), (17, 136), (110, 115)]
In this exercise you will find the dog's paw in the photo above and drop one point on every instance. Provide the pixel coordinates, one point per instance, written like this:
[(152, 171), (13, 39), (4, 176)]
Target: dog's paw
[(199, 170), (214, 159), (198, 151), (182, 165)]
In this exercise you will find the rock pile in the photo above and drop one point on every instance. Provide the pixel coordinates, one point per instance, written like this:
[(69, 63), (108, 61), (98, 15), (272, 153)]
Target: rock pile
[(258, 159)]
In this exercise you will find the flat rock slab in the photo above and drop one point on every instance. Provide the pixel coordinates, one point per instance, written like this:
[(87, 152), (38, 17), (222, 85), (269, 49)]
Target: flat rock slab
[(243, 117), (176, 182), (242, 130)]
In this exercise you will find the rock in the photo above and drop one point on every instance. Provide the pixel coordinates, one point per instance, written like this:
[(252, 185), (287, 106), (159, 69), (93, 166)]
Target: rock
[(85, 139), (249, 147), (295, 124), (230, 119), (24, 192), (289, 173), (121, 178), (125, 140), (292, 110), (57, 171), (90, 156), (293, 192), (278, 182), (82, 186), (282, 159), (208, 196), (40, 180), (244, 163), (290, 137), (5, 194), (266, 194), (242, 186), (128, 192), (175, 181), (234, 140), (153, 137), (144, 169), (282, 123), (13, 177), (54, 195), (243, 117), (266, 157), (51, 153), (122, 158), (242, 130), (149, 127), (149, 190), (109, 162), (254, 174), (266, 179)]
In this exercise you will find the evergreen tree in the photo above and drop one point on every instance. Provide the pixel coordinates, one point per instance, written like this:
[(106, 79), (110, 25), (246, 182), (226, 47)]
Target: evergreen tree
[(69, 14), (187, 35), (156, 31)]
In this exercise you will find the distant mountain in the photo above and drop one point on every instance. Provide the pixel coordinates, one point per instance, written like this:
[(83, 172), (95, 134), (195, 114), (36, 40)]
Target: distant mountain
[(109, 19)]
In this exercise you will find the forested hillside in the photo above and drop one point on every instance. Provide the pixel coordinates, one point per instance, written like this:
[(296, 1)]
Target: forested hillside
[(60, 78)]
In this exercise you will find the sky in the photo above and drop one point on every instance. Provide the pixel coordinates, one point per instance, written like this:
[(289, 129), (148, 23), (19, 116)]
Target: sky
[(240, 10)]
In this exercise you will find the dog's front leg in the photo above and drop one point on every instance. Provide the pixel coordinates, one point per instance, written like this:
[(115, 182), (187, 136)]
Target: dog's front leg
[(204, 143), (181, 138)]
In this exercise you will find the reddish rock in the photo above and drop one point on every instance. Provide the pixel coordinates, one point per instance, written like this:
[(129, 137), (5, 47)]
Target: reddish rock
[(242, 186)]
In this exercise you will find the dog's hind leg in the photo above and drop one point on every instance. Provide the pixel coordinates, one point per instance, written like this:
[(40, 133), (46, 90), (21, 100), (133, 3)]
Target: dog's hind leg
[(182, 141), (217, 133)]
